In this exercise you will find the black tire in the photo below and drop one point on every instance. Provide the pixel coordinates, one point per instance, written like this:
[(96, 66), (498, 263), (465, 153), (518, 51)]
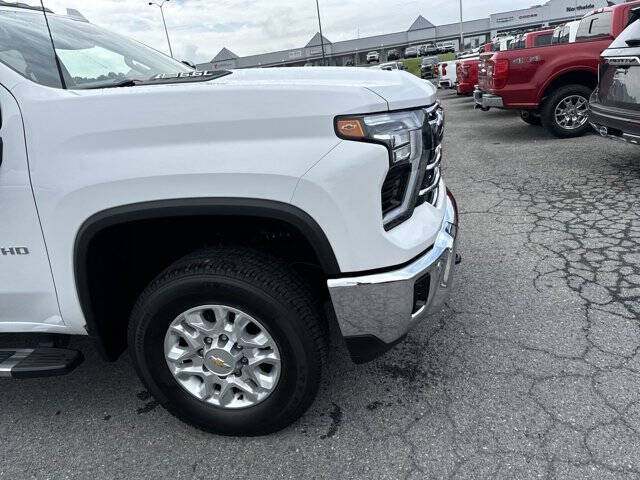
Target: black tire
[(548, 111), (257, 284), (532, 118)]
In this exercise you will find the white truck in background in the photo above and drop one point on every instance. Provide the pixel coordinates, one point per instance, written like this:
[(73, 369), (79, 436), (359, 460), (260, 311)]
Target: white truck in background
[(214, 223), (448, 75)]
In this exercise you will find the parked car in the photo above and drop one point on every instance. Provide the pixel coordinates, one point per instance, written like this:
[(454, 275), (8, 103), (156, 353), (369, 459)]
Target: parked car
[(427, 49), (445, 47), (501, 43), (448, 74), (552, 84), (429, 68), (467, 75), (373, 57), (565, 33), (539, 38), (393, 55), (208, 241), (391, 66), (615, 105), (411, 52), (517, 43)]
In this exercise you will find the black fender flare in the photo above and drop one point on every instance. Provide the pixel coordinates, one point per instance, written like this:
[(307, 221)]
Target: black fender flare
[(238, 207)]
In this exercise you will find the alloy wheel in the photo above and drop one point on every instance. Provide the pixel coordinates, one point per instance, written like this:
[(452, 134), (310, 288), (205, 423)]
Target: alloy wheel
[(572, 112), (222, 356)]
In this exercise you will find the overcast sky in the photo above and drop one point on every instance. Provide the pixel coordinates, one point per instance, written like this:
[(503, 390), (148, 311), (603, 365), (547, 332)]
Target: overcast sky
[(200, 28)]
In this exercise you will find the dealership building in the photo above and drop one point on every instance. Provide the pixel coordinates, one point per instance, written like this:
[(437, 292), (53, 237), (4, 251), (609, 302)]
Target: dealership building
[(422, 31)]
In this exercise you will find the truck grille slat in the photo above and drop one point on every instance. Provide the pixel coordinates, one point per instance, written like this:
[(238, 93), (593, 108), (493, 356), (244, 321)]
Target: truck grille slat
[(395, 187)]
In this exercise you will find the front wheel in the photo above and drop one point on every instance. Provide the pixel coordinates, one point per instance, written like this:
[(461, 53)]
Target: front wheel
[(229, 340), (565, 113)]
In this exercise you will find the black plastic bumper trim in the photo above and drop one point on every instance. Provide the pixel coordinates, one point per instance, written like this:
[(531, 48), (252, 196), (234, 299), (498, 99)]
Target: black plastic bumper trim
[(366, 348)]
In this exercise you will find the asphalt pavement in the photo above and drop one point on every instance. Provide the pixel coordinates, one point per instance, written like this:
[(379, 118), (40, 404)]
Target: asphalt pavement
[(532, 370)]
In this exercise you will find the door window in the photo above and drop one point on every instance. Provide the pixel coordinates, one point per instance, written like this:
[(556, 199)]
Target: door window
[(595, 26)]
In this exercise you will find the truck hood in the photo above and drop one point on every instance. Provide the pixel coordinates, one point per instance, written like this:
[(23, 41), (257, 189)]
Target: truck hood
[(399, 89)]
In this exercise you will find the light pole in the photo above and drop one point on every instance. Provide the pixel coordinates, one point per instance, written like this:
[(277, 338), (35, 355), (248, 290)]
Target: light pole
[(461, 29), (324, 60), (160, 5)]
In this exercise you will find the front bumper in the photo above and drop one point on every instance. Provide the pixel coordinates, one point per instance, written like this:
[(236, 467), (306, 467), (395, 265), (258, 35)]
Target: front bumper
[(377, 311), (486, 101)]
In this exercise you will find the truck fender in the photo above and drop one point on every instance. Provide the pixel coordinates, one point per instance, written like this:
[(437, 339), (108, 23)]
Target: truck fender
[(237, 207), (573, 69)]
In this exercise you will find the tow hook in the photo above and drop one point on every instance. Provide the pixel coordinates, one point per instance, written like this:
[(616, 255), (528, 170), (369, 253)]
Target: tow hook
[(458, 259)]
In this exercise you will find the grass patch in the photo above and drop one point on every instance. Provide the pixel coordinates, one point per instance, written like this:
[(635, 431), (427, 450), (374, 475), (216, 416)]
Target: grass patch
[(413, 65)]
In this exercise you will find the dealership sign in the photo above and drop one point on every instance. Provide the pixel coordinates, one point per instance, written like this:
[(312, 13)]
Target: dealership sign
[(589, 6), (554, 10), (521, 17)]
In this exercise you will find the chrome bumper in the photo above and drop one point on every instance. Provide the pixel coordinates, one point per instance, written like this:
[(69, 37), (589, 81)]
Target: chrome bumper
[(485, 101), (376, 311)]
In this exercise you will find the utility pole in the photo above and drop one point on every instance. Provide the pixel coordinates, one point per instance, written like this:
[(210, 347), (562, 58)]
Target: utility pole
[(324, 59), (166, 32), (461, 29)]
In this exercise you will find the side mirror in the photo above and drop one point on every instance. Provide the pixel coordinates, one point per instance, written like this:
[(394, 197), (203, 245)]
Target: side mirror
[(190, 64)]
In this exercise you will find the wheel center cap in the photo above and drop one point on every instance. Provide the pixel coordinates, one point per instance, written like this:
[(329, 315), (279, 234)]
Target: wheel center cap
[(219, 361)]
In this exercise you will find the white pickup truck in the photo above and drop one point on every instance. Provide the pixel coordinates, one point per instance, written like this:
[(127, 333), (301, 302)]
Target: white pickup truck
[(214, 223)]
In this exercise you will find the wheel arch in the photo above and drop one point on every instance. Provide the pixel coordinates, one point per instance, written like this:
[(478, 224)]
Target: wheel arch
[(109, 342), (579, 75)]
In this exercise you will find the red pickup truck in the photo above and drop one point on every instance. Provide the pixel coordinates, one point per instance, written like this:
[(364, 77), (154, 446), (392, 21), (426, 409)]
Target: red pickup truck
[(552, 84), (467, 75), (539, 38)]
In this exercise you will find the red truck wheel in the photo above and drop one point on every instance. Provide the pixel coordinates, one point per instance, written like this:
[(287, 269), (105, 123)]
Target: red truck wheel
[(566, 112)]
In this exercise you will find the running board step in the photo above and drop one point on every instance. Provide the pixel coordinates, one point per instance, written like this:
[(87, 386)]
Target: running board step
[(38, 362)]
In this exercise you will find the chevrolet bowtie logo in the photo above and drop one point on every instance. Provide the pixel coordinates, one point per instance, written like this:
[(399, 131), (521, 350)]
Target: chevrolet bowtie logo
[(220, 363)]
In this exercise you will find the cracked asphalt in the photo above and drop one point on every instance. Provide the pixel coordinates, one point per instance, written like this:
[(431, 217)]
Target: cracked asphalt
[(531, 371)]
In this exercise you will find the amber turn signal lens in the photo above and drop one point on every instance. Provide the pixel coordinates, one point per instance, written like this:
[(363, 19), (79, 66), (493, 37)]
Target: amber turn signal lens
[(350, 128)]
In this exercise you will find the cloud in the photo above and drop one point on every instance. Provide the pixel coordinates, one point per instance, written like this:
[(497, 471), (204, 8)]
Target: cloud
[(200, 28)]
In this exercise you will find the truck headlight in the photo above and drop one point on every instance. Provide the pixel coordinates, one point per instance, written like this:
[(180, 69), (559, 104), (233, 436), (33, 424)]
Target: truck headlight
[(413, 139), (400, 132)]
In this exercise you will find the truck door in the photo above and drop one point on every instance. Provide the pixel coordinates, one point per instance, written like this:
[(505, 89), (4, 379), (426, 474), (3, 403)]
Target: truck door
[(27, 294)]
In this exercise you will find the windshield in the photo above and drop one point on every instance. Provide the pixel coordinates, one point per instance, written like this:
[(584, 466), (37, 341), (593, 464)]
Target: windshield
[(90, 57)]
